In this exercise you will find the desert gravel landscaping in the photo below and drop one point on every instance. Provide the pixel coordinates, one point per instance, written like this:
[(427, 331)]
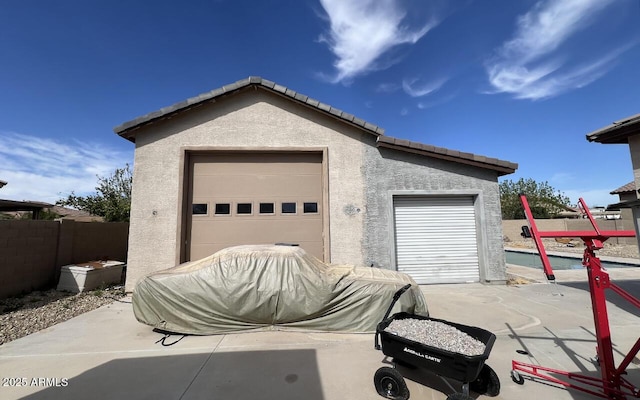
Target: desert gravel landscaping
[(24, 315)]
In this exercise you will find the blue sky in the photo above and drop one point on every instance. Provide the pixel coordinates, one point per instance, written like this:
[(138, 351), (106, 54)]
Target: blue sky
[(522, 81)]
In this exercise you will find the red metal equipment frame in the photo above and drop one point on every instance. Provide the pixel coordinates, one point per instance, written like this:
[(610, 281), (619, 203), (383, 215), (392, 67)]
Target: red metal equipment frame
[(612, 385)]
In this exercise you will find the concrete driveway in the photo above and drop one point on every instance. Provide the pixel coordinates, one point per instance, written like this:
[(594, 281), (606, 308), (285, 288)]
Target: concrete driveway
[(106, 354)]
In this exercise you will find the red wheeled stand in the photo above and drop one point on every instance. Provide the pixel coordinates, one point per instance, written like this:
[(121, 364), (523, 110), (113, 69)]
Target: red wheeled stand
[(612, 385)]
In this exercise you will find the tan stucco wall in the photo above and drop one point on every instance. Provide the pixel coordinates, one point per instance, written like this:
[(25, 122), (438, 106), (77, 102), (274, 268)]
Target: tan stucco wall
[(249, 119), (634, 149)]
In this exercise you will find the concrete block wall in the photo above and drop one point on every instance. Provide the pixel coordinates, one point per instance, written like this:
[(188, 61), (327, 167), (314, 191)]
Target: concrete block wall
[(27, 255), (32, 252), (512, 228), (99, 240), (389, 170)]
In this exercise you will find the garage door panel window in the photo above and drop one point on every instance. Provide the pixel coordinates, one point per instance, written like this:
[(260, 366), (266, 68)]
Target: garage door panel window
[(267, 208), (310, 208), (199, 209), (288, 208), (244, 208), (223, 209)]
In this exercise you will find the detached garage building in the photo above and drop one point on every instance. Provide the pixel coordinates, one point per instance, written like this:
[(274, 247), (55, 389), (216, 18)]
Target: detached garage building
[(255, 162)]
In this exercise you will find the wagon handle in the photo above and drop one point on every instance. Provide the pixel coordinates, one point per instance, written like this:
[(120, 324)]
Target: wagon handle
[(393, 303), (395, 299)]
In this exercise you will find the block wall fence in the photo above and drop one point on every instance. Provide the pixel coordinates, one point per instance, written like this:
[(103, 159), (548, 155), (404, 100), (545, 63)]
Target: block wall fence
[(512, 228), (32, 252)]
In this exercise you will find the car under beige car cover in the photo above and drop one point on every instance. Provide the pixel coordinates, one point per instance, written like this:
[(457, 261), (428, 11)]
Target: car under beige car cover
[(270, 287)]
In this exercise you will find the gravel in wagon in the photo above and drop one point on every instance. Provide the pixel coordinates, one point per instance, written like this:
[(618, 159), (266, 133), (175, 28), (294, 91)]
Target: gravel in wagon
[(436, 334)]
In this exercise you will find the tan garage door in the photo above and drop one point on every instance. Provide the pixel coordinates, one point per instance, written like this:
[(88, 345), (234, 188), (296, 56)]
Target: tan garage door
[(254, 198)]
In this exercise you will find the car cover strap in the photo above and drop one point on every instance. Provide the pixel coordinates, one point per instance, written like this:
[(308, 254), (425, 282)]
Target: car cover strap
[(163, 339)]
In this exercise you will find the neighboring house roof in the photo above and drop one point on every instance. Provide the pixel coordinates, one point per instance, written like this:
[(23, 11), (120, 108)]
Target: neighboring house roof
[(19, 207), (77, 215), (618, 132), (128, 129), (569, 214), (14, 205), (623, 204), (628, 188)]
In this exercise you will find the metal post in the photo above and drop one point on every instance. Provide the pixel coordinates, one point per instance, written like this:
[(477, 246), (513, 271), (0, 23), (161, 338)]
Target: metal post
[(598, 283), (535, 234), (612, 385)]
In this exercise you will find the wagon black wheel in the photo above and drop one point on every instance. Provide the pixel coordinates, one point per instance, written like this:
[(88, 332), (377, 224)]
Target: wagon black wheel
[(486, 383), (516, 377), (390, 384), (459, 396)]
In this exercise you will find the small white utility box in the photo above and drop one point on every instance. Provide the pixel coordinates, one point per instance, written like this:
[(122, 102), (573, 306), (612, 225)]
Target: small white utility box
[(89, 275)]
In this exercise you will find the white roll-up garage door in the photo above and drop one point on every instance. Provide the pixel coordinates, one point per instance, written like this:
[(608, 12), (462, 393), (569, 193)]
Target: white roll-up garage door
[(436, 240)]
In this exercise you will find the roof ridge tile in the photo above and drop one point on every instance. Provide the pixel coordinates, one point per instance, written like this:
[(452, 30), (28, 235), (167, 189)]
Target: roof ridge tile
[(403, 144), (501, 166), (251, 80)]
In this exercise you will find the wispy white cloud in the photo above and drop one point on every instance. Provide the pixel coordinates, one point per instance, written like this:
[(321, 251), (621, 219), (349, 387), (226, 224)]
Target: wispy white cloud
[(362, 30), (387, 87), (528, 66), (416, 88), (548, 25), (404, 112), (423, 105), (47, 170)]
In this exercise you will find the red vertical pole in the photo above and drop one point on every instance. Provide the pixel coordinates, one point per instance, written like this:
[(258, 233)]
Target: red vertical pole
[(546, 265), (598, 283)]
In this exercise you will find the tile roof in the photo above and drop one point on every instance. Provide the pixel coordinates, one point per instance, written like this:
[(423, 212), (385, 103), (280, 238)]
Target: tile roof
[(125, 130), (623, 204), (128, 129), (503, 167), (617, 132), (628, 188)]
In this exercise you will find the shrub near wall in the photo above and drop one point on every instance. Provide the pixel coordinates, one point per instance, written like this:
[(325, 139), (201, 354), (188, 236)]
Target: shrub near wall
[(32, 252)]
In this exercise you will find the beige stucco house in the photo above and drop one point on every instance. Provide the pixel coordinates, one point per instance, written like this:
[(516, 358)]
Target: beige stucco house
[(625, 131), (256, 162), (625, 194)]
